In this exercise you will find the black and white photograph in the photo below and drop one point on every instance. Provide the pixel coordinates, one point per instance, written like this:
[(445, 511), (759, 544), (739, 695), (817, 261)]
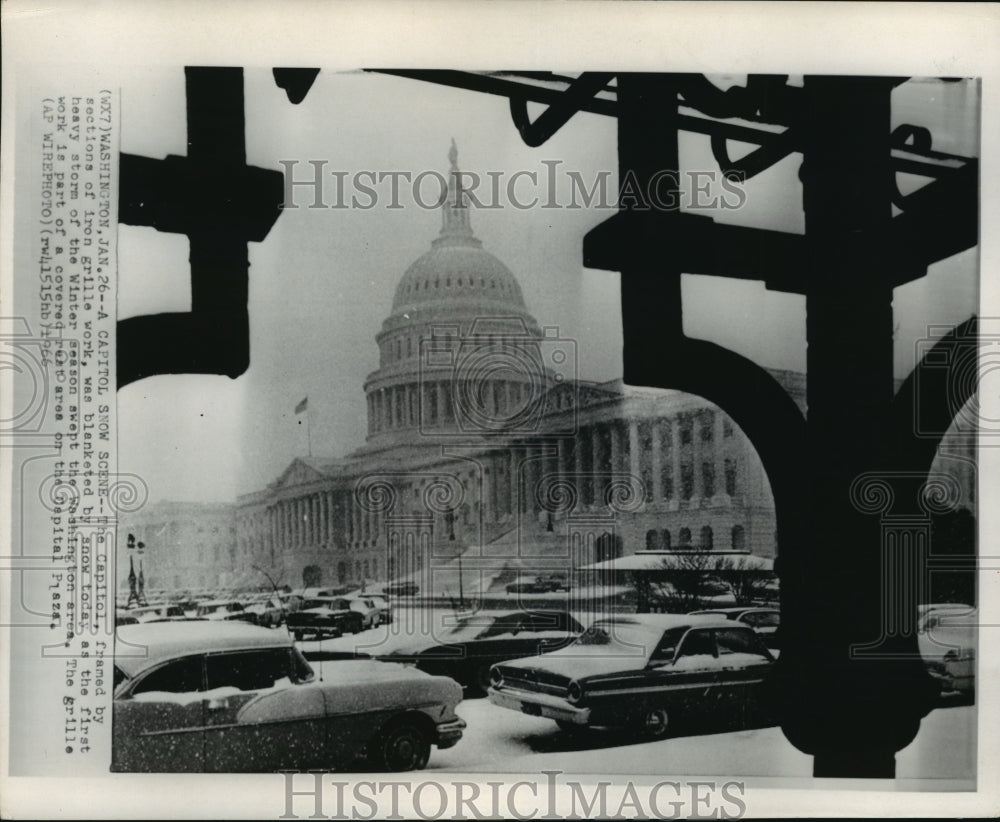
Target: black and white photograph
[(423, 435)]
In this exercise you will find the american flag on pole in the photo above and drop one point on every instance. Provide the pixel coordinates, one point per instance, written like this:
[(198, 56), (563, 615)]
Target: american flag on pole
[(302, 406)]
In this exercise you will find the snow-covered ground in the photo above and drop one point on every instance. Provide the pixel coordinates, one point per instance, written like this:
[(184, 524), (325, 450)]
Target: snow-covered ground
[(499, 740)]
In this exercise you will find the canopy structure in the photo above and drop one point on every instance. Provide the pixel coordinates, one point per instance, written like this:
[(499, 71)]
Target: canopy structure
[(674, 561)]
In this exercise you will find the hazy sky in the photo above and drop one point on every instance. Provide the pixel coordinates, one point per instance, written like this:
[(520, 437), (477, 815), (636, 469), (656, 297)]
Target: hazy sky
[(322, 282)]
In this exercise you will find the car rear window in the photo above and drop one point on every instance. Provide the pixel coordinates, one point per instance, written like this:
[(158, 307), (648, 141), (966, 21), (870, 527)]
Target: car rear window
[(249, 670), (766, 619), (735, 641), (182, 676)]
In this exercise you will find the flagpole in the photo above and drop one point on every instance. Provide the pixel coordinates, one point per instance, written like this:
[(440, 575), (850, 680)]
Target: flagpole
[(309, 441)]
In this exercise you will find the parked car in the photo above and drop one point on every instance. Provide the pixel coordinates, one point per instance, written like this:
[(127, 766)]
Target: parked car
[(466, 650), (151, 613), (374, 610), (232, 697), (268, 610), (946, 635), (123, 617), (539, 585), (400, 589), (641, 671), (325, 617), (225, 610), (765, 621)]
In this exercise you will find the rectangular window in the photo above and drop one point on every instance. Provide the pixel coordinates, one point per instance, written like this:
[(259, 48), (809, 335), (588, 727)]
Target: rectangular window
[(727, 427), (707, 423), (708, 479), (667, 482), (685, 429), (731, 477), (687, 480)]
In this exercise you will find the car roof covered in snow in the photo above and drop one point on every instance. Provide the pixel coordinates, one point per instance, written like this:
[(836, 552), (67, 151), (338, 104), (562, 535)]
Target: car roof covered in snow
[(142, 646), (662, 622), (739, 609)]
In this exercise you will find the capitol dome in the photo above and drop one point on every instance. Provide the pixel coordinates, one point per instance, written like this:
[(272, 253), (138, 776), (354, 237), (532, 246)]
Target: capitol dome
[(457, 270), (456, 304)]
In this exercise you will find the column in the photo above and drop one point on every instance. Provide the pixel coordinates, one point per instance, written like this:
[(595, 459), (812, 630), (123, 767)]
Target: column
[(675, 456), (656, 458), (719, 454), (596, 467), (615, 462), (696, 451), (634, 449), (512, 500), (314, 520), (355, 520)]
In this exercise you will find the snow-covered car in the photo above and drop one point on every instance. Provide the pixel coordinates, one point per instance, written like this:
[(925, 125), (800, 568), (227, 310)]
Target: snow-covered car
[(946, 635), (639, 671), (539, 585), (401, 589), (765, 621), (152, 613), (467, 650), (225, 610), (325, 617), (374, 610), (228, 697), (268, 610)]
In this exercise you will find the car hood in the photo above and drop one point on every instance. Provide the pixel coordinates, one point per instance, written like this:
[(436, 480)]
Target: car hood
[(578, 661)]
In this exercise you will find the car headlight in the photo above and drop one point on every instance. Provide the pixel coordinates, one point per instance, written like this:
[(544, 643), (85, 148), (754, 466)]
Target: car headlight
[(574, 693), (496, 678)]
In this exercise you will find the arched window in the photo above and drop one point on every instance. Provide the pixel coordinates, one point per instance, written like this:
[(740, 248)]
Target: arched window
[(652, 540), (665, 538), (706, 537), (684, 537), (739, 538)]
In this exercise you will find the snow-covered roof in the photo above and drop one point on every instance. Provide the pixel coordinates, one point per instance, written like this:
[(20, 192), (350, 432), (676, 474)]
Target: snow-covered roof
[(142, 646), (661, 622), (662, 560)]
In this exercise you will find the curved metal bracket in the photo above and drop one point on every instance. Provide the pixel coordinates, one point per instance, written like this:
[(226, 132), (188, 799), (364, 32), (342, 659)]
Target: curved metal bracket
[(583, 88), (758, 160), (914, 138)]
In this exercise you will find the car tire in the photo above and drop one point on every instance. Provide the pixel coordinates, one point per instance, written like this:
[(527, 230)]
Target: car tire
[(653, 723), (298, 636), (402, 746)]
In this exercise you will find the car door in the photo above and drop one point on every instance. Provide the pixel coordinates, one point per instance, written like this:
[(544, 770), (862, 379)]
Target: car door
[(256, 717), (744, 662), (159, 723), (696, 671)]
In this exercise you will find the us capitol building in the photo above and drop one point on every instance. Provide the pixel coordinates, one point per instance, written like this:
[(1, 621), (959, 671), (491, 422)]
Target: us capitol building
[(484, 452)]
